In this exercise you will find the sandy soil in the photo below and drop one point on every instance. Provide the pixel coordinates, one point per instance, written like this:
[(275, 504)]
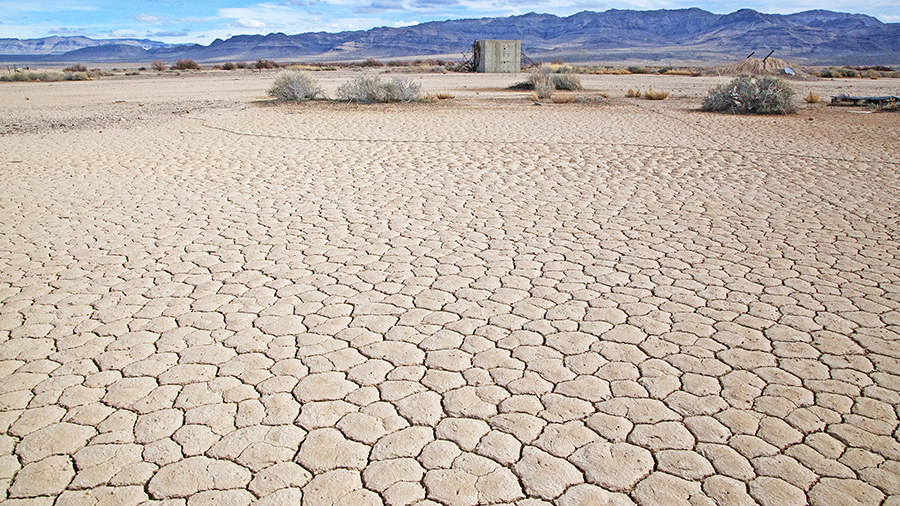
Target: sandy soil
[(206, 298)]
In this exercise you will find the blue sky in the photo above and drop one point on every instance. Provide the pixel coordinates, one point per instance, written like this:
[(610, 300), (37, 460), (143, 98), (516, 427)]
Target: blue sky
[(202, 21)]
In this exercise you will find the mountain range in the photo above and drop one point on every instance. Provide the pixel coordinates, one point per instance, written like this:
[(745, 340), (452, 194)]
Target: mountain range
[(684, 35)]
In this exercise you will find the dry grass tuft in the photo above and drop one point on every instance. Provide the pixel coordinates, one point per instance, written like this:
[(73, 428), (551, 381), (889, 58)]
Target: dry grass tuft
[(631, 93), (563, 98), (542, 83), (435, 97), (652, 94), (812, 98)]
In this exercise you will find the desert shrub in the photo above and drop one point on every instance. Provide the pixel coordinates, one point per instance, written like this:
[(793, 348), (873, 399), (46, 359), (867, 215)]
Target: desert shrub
[(812, 98), (265, 64), (158, 65), (368, 89), (569, 82), (542, 83), (829, 72), (849, 73), (186, 64), (632, 93), (76, 68), (443, 95), (76, 76), (652, 94), (295, 86), (636, 69), (241, 64), (748, 95), (371, 62), (228, 66), (45, 77), (141, 69)]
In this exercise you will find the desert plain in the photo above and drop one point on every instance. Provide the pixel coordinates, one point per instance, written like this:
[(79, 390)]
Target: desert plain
[(210, 299)]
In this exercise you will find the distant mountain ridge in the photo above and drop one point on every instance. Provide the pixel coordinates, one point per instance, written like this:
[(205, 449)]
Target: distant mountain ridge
[(60, 45), (816, 36)]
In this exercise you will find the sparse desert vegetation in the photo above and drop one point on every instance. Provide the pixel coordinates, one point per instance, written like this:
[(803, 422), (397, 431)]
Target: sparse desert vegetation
[(567, 81), (364, 89), (633, 93), (652, 94), (541, 83), (45, 76), (295, 86), (749, 95), (186, 64), (158, 65), (812, 98)]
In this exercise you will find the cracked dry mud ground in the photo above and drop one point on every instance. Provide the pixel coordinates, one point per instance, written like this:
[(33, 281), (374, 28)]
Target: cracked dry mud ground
[(452, 305)]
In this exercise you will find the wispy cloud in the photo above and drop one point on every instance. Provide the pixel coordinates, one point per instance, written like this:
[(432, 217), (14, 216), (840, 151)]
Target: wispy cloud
[(67, 31), (172, 33), (269, 14), (378, 6), (248, 23), (425, 4), (148, 18), (118, 34)]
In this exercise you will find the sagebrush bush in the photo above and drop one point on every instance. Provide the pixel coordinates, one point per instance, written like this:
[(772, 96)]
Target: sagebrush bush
[(158, 65), (369, 89), (228, 66), (751, 95), (542, 83), (76, 68), (295, 86), (567, 81), (186, 64)]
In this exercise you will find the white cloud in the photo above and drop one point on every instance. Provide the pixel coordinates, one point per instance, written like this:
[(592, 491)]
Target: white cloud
[(118, 34), (149, 19), (248, 23)]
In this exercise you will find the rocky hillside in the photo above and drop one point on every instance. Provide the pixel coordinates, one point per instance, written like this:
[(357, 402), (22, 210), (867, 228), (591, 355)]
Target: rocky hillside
[(818, 36)]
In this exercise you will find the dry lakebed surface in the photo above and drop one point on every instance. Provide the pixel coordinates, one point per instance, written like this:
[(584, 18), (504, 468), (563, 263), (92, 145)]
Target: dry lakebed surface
[(210, 299)]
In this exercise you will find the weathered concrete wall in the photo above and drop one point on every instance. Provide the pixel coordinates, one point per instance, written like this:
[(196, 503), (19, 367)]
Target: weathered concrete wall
[(499, 55)]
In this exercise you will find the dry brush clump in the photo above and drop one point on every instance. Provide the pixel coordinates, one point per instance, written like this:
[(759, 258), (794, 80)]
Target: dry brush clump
[(542, 83), (295, 86), (632, 93), (652, 94), (45, 77), (186, 64), (158, 65), (371, 89), (749, 95), (567, 81), (812, 98)]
